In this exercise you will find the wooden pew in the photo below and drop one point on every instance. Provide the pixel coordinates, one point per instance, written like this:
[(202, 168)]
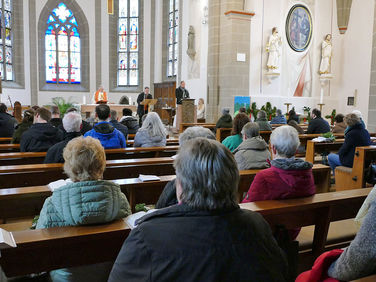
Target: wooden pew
[(131, 136), (41, 174), (354, 178), (53, 248), (28, 201), (222, 133), (184, 126), (5, 140), (18, 158), (314, 148), (6, 148)]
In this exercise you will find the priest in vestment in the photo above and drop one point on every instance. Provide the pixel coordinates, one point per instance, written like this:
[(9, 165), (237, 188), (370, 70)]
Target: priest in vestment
[(100, 96)]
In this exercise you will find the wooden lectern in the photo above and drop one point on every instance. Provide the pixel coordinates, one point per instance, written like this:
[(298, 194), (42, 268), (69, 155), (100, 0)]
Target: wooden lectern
[(147, 103), (186, 112)]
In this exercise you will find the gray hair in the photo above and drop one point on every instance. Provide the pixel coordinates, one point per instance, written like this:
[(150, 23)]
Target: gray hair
[(72, 122), (285, 140), (352, 119), (208, 175), (251, 129), (153, 125), (113, 115), (278, 112), (195, 132), (261, 114), (225, 111)]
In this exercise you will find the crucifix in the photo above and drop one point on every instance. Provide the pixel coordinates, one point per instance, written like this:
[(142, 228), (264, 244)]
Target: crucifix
[(110, 7)]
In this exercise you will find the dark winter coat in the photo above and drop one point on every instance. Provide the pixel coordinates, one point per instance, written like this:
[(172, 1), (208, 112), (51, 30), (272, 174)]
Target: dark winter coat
[(122, 128), (7, 124), (56, 122), (318, 125), (40, 137), (182, 244), (168, 196), (20, 129), (131, 123), (224, 121), (55, 153), (356, 136)]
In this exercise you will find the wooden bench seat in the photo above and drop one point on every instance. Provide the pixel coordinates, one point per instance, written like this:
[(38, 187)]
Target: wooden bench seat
[(28, 201), (22, 158), (53, 248), (314, 148), (184, 126), (354, 178), (5, 140)]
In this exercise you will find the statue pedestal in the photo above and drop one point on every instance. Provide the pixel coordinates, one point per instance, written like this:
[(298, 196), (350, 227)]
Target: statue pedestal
[(186, 112)]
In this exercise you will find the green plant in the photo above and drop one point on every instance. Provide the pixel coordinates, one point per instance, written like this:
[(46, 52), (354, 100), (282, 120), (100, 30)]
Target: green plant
[(308, 111), (140, 207), (254, 110), (329, 135), (62, 104), (332, 116)]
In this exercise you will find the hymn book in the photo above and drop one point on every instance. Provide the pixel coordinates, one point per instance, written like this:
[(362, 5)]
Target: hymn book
[(6, 239), (131, 220), (144, 178)]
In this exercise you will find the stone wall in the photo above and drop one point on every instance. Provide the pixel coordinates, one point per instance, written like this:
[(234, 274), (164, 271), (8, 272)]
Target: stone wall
[(372, 90)]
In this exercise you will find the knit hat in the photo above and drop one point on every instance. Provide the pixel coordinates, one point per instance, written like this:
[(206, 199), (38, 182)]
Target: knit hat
[(225, 111)]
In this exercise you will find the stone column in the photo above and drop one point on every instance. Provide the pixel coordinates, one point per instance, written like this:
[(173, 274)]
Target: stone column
[(372, 91), (229, 35), (343, 14)]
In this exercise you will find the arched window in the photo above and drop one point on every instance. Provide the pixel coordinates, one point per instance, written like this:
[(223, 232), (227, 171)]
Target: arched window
[(128, 43), (6, 45), (172, 39), (62, 47)]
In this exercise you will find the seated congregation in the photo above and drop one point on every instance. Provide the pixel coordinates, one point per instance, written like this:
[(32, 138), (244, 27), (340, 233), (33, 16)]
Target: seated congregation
[(198, 230)]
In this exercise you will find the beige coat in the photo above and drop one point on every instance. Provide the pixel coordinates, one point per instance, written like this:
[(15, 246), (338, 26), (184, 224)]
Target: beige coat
[(252, 153)]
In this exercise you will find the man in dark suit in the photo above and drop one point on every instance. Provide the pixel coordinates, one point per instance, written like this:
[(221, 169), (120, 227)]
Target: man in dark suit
[(141, 108), (181, 93)]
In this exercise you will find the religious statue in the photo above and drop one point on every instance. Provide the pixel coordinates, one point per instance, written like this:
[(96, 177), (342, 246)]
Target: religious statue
[(191, 43), (326, 55), (274, 49)]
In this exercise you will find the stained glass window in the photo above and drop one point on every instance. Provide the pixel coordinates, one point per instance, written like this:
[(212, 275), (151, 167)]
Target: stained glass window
[(128, 43), (62, 47), (172, 39), (6, 44)]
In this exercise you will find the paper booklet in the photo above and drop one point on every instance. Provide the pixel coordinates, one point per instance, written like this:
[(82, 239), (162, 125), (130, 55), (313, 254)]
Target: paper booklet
[(131, 219), (58, 183), (6, 240), (144, 178)]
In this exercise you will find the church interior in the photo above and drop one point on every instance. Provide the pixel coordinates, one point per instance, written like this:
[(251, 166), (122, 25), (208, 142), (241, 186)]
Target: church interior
[(187, 140)]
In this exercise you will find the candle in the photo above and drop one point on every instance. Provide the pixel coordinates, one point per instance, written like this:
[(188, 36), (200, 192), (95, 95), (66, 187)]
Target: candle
[(84, 100), (321, 95)]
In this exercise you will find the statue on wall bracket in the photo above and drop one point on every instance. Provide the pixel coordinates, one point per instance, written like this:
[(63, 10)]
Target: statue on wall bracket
[(326, 57), (191, 52), (274, 48)]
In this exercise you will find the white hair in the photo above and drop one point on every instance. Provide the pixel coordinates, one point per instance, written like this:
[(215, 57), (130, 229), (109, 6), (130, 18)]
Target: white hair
[(195, 132), (285, 140), (153, 125), (72, 122), (358, 113)]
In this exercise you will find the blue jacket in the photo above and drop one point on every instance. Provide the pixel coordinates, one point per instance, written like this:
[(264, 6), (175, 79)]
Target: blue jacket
[(356, 136), (83, 203), (278, 120), (108, 135)]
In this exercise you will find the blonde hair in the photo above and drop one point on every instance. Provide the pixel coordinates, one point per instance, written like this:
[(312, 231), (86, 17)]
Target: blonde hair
[(85, 159), (153, 125)]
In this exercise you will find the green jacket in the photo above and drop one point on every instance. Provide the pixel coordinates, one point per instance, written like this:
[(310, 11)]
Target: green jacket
[(82, 203), (20, 129)]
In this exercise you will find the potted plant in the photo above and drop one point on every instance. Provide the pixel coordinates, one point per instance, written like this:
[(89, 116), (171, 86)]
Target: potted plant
[(62, 104), (307, 110)]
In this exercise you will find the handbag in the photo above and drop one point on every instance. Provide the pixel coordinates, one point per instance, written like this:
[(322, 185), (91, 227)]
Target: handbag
[(370, 174)]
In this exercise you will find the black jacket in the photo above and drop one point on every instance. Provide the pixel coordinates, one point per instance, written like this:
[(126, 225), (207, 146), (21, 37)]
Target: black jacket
[(182, 244), (140, 98), (40, 137), (356, 136), (7, 124), (56, 122), (318, 125), (121, 127), (224, 121), (168, 196), (85, 128), (180, 95), (131, 123), (55, 153)]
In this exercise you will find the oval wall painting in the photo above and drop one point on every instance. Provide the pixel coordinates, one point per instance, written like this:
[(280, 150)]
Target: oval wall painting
[(299, 28)]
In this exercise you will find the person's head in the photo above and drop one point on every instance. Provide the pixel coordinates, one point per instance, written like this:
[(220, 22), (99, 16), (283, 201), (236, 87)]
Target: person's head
[(292, 113), (358, 113), (35, 107), (127, 112), (113, 115), (195, 132), (28, 116), (316, 113), (103, 112), (352, 119), (250, 129), (17, 111), (328, 37), (3, 108), (72, 109), (55, 112), (72, 122), (284, 141), (242, 110), (278, 112), (85, 159), (275, 30), (338, 118), (207, 176), (182, 84), (239, 121), (101, 88), (42, 115), (146, 90), (153, 125), (201, 101), (261, 114), (17, 103), (225, 111)]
